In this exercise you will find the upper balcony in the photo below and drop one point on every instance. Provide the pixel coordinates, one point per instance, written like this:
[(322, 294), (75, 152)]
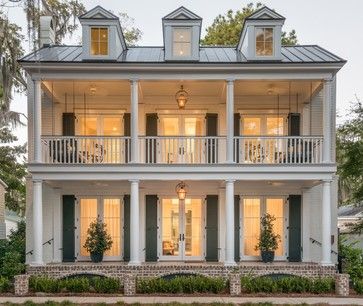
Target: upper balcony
[(243, 122)]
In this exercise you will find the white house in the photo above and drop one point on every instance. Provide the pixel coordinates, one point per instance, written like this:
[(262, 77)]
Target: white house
[(3, 187), (122, 132)]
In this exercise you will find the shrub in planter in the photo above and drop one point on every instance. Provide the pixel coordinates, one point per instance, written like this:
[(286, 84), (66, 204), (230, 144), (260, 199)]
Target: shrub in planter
[(12, 264), (76, 285), (358, 286), (268, 241), (98, 240), (105, 285), (4, 284), (44, 284)]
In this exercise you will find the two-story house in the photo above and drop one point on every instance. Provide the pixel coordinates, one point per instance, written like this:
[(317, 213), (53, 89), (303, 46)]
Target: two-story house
[(181, 148)]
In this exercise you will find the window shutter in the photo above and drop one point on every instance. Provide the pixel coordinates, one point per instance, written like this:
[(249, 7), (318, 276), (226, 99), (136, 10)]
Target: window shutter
[(151, 130), (68, 228), (236, 130), (127, 133), (294, 124), (236, 229), (126, 227), (212, 144), (294, 228), (68, 124), (212, 228), (151, 236)]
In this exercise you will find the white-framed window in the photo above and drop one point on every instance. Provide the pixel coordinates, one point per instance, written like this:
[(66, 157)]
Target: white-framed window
[(99, 41), (182, 42), (264, 41)]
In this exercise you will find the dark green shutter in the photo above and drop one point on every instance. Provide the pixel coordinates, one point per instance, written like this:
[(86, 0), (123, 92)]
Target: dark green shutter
[(151, 130), (294, 228), (236, 229), (127, 132), (294, 124), (151, 236), (68, 241), (212, 130), (126, 227), (212, 228), (236, 132), (68, 124)]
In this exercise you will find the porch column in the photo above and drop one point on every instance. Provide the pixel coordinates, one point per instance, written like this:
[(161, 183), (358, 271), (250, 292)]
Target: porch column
[(37, 122), (134, 121), (327, 120), (229, 120), (229, 206), (37, 223), (326, 224), (134, 223)]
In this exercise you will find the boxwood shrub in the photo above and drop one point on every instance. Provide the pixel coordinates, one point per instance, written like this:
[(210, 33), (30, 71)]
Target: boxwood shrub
[(183, 284), (74, 284), (289, 284)]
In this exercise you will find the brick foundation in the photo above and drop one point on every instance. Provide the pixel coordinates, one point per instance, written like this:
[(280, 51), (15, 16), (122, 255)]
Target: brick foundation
[(21, 284), (129, 284), (342, 284), (234, 284)]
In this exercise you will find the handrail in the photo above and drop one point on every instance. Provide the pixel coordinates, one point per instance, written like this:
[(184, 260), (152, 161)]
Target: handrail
[(47, 242), (314, 241)]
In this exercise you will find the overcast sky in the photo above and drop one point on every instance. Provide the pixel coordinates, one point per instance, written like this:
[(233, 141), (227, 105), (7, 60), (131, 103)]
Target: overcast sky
[(333, 24)]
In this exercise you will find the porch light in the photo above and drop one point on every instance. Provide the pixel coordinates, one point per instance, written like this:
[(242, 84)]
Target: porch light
[(181, 190), (181, 97)]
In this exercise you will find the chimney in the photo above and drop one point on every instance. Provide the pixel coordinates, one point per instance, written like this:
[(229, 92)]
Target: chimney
[(47, 31)]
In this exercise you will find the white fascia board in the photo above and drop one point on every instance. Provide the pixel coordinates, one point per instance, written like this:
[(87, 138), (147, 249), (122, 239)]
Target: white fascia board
[(167, 172)]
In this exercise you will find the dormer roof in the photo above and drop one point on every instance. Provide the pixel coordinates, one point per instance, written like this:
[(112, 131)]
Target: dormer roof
[(265, 13), (98, 12), (182, 13)]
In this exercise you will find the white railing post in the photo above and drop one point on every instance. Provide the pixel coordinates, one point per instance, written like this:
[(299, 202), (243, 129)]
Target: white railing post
[(134, 121), (37, 122), (327, 120), (229, 120)]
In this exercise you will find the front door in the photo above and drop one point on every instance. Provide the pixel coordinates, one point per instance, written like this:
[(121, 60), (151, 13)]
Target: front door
[(181, 229), (110, 212), (181, 143), (252, 209)]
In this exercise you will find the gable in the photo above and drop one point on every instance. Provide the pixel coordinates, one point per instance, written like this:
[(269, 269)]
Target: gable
[(182, 13), (98, 12), (265, 13)]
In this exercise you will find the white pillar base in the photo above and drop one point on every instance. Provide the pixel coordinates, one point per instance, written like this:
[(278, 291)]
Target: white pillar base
[(134, 263)]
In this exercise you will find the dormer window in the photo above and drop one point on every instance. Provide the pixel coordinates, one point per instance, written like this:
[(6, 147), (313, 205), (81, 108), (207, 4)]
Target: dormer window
[(99, 41), (182, 42), (264, 41)]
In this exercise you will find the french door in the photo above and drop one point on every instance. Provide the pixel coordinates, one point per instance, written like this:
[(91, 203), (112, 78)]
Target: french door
[(181, 229), (252, 209), (109, 210), (179, 144)]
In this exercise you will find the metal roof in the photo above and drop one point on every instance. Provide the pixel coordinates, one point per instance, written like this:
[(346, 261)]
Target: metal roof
[(209, 55)]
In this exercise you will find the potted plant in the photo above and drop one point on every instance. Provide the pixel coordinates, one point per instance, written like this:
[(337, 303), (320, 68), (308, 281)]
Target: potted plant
[(268, 241), (98, 240)]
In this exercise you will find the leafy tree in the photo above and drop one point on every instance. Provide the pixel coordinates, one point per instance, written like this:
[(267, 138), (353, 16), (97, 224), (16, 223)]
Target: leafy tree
[(131, 32), (226, 29), (350, 159)]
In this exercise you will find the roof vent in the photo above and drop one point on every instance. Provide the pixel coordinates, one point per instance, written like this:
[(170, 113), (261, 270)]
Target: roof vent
[(47, 31)]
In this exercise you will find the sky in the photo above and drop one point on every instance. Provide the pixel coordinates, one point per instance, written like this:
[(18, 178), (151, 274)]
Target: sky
[(333, 24)]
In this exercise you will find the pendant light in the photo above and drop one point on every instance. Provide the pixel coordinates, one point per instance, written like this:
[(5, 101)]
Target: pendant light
[(181, 190), (181, 97)]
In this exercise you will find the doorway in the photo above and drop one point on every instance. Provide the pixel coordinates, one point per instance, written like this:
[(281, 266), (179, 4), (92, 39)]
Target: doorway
[(181, 224)]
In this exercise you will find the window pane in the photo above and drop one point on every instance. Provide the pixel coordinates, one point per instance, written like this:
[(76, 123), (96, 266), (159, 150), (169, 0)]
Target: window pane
[(170, 227), (103, 34), (268, 34), (260, 48), (95, 34), (193, 227), (111, 216), (88, 126), (103, 48), (88, 214), (252, 126), (181, 49), (99, 41), (251, 226), (264, 41), (182, 35), (275, 207), (275, 125), (112, 126), (259, 34), (268, 48), (94, 48)]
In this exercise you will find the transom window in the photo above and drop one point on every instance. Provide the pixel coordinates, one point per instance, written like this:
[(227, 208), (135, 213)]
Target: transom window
[(182, 46), (99, 41), (264, 41)]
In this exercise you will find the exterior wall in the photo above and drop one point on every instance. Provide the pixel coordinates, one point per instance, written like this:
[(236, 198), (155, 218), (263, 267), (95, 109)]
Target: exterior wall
[(2, 211)]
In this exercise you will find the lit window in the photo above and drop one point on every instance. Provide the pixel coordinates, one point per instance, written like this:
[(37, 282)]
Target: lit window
[(182, 46), (264, 41), (99, 41)]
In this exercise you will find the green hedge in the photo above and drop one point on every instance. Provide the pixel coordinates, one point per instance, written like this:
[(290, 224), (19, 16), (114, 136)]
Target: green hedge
[(290, 284), (183, 284), (74, 284)]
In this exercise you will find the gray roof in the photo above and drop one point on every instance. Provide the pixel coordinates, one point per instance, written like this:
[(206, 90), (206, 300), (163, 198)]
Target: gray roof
[(212, 55), (350, 211)]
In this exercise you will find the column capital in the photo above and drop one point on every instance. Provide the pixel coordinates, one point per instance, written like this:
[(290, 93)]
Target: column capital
[(326, 181), (230, 80), (134, 80), (37, 181), (134, 181), (328, 80), (36, 78), (230, 181)]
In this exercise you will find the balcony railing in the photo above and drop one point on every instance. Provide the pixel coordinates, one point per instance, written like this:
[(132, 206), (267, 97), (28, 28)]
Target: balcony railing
[(182, 150)]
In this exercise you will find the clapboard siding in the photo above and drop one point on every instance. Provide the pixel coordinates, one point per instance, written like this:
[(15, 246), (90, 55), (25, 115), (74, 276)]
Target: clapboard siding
[(317, 114)]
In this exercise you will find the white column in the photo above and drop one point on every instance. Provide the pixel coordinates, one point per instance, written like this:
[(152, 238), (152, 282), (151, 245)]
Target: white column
[(222, 223), (134, 121), (37, 122), (327, 120), (229, 120), (229, 205), (134, 223), (37, 223), (326, 224)]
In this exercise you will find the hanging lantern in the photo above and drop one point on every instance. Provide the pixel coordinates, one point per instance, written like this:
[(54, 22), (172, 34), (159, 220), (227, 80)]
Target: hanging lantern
[(181, 190), (181, 97)]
